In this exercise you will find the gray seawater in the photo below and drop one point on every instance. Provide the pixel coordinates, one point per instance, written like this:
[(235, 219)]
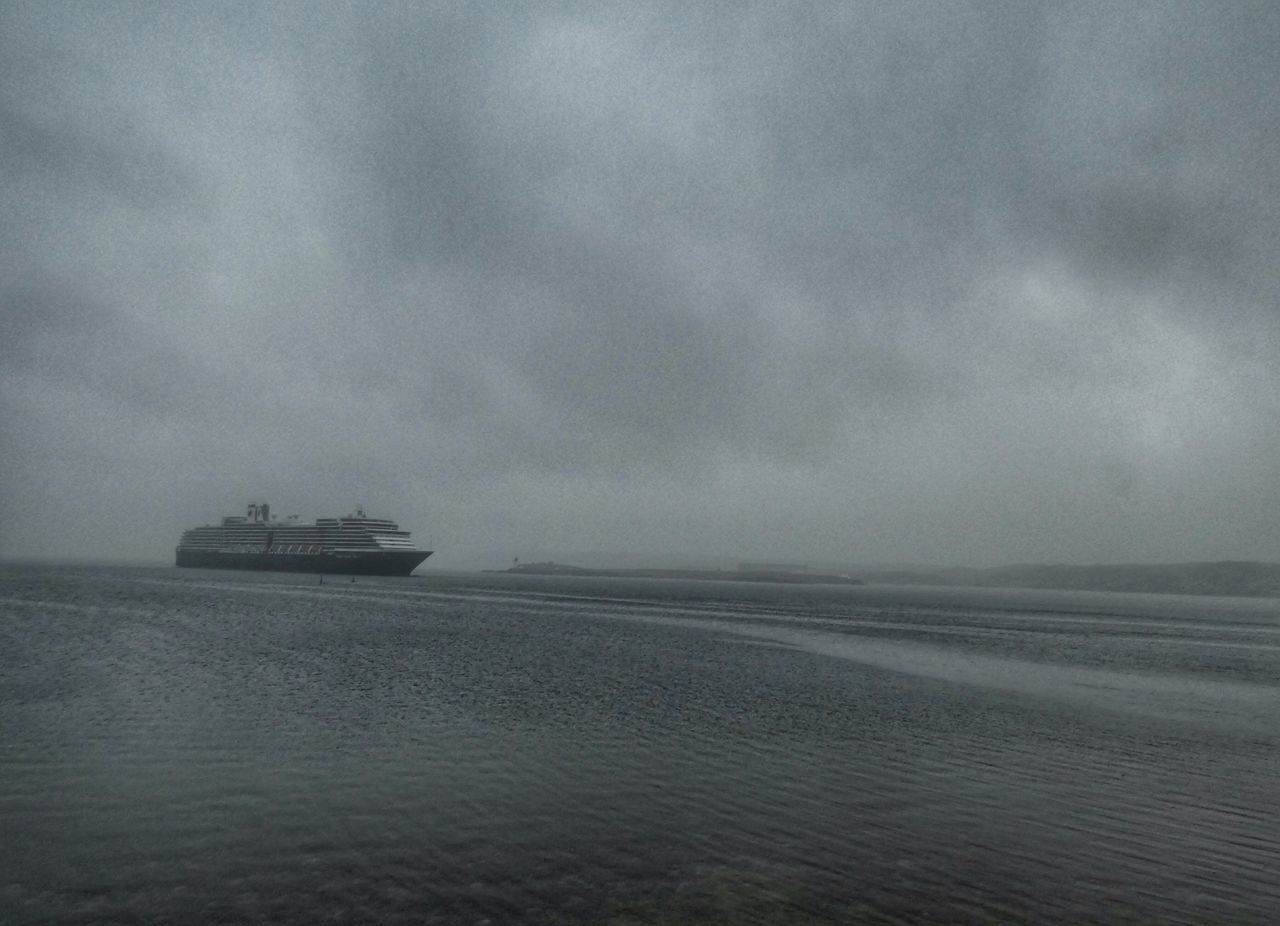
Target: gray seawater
[(191, 746)]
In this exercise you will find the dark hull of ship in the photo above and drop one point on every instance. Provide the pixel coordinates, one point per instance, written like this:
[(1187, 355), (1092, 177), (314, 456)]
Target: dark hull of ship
[(372, 563)]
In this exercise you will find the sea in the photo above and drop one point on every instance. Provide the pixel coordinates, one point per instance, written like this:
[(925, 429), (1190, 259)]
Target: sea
[(188, 746)]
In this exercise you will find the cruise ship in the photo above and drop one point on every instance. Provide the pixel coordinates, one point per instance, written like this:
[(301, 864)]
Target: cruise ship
[(351, 545)]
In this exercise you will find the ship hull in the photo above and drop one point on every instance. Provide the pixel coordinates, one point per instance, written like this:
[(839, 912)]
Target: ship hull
[(354, 563)]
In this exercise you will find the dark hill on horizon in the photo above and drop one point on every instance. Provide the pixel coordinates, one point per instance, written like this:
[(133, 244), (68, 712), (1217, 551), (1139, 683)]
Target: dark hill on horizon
[(1230, 577)]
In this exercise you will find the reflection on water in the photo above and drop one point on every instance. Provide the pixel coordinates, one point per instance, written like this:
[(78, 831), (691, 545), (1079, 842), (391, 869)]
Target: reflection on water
[(184, 745)]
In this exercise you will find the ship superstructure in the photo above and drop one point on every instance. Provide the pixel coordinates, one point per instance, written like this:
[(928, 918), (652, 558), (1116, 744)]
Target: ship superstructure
[(352, 545)]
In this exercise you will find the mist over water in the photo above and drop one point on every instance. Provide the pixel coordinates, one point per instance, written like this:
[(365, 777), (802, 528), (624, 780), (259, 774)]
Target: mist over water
[(184, 745)]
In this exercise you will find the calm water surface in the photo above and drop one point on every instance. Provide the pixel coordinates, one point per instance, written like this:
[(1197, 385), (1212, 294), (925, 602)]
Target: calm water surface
[(202, 746)]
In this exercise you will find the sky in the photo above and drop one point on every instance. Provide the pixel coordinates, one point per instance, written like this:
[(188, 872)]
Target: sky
[(869, 283)]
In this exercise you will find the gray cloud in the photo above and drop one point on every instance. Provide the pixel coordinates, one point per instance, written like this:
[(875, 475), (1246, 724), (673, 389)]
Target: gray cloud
[(966, 283)]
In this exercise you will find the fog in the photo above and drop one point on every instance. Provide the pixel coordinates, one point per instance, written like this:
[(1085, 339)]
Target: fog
[(844, 283)]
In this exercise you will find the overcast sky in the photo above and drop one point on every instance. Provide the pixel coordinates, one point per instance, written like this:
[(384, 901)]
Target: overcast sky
[(884, 282)]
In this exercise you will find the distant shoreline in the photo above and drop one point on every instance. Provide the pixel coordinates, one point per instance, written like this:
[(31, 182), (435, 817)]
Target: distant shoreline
[(701, 575), (1226, 578), (1230, 578)]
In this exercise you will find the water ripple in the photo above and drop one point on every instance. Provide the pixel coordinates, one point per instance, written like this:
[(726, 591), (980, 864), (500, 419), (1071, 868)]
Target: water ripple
[(190, 746)]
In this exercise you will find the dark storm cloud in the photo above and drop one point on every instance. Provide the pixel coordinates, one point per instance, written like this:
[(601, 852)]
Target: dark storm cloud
[(646, 239), (924, 281), (63, 340), (1146, 171), (133, 168)]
